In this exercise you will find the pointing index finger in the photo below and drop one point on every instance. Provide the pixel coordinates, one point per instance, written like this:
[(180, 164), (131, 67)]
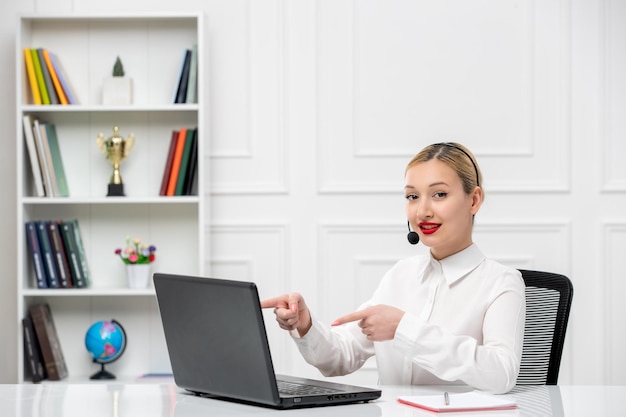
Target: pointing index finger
[(273, 302), (357, 315)]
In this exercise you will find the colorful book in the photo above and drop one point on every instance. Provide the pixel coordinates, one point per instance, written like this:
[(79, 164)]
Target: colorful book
[(64, 80), (168, 163), (184, 162), (57, 160), (178, 156), (48, 339), (45, 99), (32, 155), (192, 83), (36, 256), (58, 250), (192, 170), (32, 77), (32, 354), (43, 152), (55, 79), (52, 94), (71, 251), (47, 255), (181, 94)]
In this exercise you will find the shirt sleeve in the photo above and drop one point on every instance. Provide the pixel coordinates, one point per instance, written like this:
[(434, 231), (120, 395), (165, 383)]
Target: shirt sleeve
[(334, 351), (492, 366)]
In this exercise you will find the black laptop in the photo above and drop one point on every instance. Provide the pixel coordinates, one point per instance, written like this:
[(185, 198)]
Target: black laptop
[(218, 347)]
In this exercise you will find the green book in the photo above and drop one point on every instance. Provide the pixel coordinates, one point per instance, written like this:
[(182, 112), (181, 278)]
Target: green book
[(57, 161), (184, 162), (82, 255), (45, 99), (73, 256)]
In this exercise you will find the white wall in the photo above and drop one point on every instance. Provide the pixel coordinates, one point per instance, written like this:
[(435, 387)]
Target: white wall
[(316, 106)]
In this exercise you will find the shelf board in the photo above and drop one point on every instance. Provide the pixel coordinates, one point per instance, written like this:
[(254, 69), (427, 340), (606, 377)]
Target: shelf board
[(109, 200), (88, 292), (79, 108)]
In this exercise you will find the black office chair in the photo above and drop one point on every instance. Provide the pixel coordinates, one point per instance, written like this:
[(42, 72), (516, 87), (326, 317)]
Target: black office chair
[(548, 303)]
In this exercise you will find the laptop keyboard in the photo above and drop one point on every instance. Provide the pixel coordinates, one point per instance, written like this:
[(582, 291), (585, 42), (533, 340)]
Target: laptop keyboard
[(290, 388)]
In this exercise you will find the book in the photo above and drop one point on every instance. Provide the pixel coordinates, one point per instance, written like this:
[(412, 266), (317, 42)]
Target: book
[(45, 99), (32, 155), (68, 236), (64, 80), (82, 254), (181, 94), (178, 155), (36, 256), (47, 255), (55, 79), (42, 152), (32, 77), (48, 339), (192, 170), (58, 251), (52, 94), (43, 132), (192, 82), (459, 402), (32, 353), (180, 75), (57, 160), (168, 163), (184, 162)]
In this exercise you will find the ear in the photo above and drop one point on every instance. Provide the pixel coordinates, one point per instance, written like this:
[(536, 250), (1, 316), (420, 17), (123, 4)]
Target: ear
[(477, 200)]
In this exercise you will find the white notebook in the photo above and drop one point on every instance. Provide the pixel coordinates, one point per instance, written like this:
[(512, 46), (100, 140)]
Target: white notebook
[(467, 401)]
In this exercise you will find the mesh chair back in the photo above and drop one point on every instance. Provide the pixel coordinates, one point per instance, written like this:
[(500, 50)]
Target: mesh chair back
[(548, 303)]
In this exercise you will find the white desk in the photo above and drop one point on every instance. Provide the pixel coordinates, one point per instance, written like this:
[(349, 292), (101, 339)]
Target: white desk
[(166, 400)]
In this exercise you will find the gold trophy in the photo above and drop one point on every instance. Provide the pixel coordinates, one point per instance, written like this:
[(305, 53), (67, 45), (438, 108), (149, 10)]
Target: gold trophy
[(116, 149)]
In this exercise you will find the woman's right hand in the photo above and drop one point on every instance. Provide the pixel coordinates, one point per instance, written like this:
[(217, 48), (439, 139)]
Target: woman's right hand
[(291, 312)]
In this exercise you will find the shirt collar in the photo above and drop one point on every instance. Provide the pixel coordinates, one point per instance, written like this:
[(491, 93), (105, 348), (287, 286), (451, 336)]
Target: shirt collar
[(456, 266)]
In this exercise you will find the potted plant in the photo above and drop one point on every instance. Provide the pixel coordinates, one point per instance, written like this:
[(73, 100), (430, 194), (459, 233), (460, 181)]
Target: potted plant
[(137, 257), (117, 89)]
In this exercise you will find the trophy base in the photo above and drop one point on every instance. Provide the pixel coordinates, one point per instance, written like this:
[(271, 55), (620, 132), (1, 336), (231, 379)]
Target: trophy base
[(116, 190)]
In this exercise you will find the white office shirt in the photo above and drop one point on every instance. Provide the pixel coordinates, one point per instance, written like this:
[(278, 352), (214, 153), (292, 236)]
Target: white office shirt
[(463, 324)]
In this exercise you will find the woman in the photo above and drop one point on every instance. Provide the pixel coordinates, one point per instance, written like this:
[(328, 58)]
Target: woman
[(450, 317)]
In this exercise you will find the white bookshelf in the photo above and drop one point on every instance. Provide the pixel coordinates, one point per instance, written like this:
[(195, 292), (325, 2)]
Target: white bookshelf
[(150, 47)]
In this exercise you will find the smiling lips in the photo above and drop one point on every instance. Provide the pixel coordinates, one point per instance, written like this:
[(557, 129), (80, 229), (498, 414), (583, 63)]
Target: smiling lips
[(429, 228)]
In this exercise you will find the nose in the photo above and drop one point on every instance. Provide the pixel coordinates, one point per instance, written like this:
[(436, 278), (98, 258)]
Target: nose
[(423, 209)]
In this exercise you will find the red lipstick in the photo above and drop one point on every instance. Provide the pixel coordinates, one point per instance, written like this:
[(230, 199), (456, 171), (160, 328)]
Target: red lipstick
[(428, 228)]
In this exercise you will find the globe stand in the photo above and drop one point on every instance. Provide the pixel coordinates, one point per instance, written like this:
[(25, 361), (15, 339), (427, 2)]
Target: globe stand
[(102, 373), (104, 347)]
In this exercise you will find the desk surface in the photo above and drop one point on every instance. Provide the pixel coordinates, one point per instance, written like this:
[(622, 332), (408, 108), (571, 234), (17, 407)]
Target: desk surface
[(167, 400)]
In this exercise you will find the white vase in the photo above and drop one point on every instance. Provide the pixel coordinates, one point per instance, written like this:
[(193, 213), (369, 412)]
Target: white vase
[(117, 91), (138, 275)]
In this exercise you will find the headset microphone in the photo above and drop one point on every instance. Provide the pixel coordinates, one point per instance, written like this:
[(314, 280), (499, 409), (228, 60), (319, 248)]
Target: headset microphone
[(412, 237)]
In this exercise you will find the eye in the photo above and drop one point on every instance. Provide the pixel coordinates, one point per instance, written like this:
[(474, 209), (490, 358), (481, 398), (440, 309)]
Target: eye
[(440, 195), (411, 197)]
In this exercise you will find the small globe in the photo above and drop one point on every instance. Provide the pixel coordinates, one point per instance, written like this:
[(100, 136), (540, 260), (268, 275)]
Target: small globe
[(106, 341)]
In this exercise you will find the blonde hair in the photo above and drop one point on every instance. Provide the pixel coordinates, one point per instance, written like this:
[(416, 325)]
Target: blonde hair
[(457, 157)]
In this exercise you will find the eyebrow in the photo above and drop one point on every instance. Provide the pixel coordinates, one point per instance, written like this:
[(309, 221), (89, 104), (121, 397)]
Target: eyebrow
[(434, 184)]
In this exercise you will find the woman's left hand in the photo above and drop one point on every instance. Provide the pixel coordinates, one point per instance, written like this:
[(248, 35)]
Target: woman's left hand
[(377, 323)]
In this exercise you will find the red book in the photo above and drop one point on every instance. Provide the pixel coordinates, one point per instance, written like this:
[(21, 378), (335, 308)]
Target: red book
[(168, 163), (178, 156)]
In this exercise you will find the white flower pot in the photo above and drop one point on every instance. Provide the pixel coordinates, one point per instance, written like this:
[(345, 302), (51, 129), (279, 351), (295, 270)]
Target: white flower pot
[(117, 91), (138, 275)]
